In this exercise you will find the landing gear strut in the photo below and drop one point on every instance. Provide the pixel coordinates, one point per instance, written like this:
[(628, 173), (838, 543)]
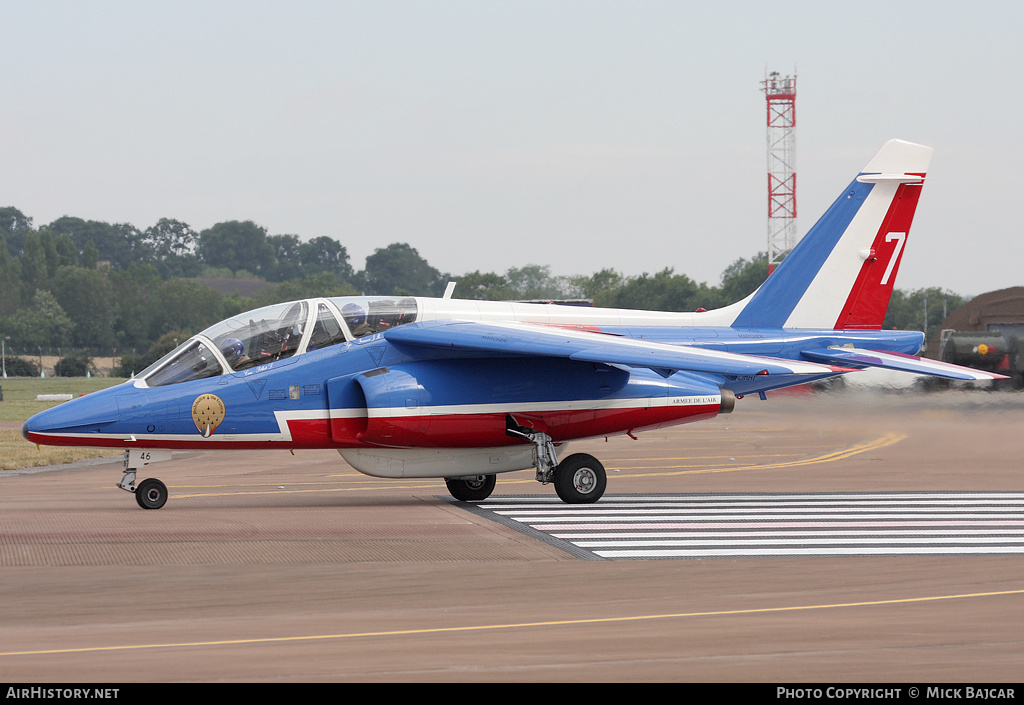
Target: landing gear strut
[(579, 479), (150, 493), (545, 459)]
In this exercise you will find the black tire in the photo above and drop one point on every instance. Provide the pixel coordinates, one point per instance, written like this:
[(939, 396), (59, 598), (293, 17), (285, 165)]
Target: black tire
[(580, 479), (471, 489), (151, 494)]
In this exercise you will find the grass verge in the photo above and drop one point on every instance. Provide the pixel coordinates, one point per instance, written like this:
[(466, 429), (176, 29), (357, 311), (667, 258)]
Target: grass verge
[(17, 453), (20, 403)]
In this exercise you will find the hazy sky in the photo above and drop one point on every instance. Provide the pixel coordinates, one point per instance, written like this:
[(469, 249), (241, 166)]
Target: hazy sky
[(491, 134)]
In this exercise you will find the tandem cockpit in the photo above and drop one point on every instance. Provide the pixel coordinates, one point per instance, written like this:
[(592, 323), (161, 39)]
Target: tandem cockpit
[(273, 333)]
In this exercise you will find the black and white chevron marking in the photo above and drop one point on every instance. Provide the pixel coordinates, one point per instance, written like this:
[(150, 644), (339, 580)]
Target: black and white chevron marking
[(762, 525)]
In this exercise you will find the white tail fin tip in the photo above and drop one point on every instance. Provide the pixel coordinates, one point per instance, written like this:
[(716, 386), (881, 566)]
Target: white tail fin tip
[(897, 158)]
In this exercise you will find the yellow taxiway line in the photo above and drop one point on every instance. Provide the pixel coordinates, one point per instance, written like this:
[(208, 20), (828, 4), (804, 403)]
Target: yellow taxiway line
[(514, 625), (885, 441)]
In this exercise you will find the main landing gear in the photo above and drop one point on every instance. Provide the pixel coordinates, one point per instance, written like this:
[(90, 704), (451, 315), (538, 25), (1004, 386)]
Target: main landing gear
[(475, 488), (151, 493), (578, 479)]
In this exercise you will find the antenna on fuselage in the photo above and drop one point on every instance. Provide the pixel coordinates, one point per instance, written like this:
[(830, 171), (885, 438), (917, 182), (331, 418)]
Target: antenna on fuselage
[(448, 290)]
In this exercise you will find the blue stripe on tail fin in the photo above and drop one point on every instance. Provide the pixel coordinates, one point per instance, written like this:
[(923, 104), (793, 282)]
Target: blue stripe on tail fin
[(772, 304)]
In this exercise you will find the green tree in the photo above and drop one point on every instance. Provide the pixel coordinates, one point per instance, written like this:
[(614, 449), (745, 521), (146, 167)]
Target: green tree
[(48, 244), (921, 309), (138, 250), (483, 287), (16, 226), (13, 220), (171, 238), (287, 257), (67, 253), (21, 367), (42, 324), (187, 305), (600, 286), (76, 364), (324, 254), (90, 255), (133, 363), (664, 291), (33, 268), (10, 280), (742, 277), (138, 298), (314, 285), (88, 298), (398, 269), (237, 245), (535, 281), (172, 245), (117, 244)]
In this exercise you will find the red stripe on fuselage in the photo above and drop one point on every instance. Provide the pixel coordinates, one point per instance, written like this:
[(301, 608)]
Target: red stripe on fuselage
[(424, 431), (488, 430)]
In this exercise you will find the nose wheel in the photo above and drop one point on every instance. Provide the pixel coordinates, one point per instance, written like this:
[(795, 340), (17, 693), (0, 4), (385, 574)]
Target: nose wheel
[(151, 493)]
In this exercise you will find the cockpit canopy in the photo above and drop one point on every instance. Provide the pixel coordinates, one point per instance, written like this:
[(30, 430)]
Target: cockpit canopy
[(276, 332)]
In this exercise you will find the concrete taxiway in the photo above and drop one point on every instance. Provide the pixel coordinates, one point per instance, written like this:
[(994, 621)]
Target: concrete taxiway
[(267, 566)]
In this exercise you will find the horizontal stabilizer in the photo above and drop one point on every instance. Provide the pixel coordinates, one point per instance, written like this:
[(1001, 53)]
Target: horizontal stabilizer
[(891, 178), (897, 361), (462, 337)]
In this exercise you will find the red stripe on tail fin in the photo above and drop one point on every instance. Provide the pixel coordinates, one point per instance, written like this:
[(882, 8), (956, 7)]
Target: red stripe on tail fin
[(869, 297)]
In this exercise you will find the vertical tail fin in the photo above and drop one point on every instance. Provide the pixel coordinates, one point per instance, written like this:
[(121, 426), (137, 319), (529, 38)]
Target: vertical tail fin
[(842, 272)]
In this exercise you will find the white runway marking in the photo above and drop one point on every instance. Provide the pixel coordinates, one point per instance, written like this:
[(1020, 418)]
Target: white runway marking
[(755, 525)]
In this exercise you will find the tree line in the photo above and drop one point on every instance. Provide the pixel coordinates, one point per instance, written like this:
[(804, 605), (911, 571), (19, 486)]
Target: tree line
[(113, 288)]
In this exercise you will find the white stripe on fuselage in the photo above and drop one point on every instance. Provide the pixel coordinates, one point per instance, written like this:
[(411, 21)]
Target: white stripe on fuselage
[(285, 436), (527, 407)]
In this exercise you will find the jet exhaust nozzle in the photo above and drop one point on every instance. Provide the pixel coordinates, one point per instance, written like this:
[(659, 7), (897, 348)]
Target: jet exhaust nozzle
[(728, 402)]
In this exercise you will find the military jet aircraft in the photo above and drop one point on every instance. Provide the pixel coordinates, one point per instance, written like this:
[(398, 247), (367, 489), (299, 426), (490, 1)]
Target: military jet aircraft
[(464, 390)]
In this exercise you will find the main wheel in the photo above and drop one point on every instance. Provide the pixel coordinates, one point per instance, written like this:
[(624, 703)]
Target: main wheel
[(580, 479), (471, 489), (151, 493)]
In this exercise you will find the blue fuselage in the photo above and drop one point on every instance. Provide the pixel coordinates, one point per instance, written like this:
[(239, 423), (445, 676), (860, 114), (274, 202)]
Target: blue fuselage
[(370, 392)]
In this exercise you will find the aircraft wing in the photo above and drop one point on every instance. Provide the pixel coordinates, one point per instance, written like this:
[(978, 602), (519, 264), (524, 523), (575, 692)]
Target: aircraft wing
[(521, 339), (897, 361)]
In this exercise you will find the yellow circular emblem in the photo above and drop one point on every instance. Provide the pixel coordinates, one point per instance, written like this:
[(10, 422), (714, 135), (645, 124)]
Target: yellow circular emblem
[(207, 413)]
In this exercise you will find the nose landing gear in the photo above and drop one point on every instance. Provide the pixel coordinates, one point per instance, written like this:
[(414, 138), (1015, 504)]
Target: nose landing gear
[(151, 493)]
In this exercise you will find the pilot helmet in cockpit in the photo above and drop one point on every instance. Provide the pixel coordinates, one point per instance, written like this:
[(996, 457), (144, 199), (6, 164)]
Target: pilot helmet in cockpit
[(232, 349), (355, 317)]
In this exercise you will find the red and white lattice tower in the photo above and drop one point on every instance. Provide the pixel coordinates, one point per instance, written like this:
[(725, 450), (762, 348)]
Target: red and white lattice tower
[(780, 94)]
